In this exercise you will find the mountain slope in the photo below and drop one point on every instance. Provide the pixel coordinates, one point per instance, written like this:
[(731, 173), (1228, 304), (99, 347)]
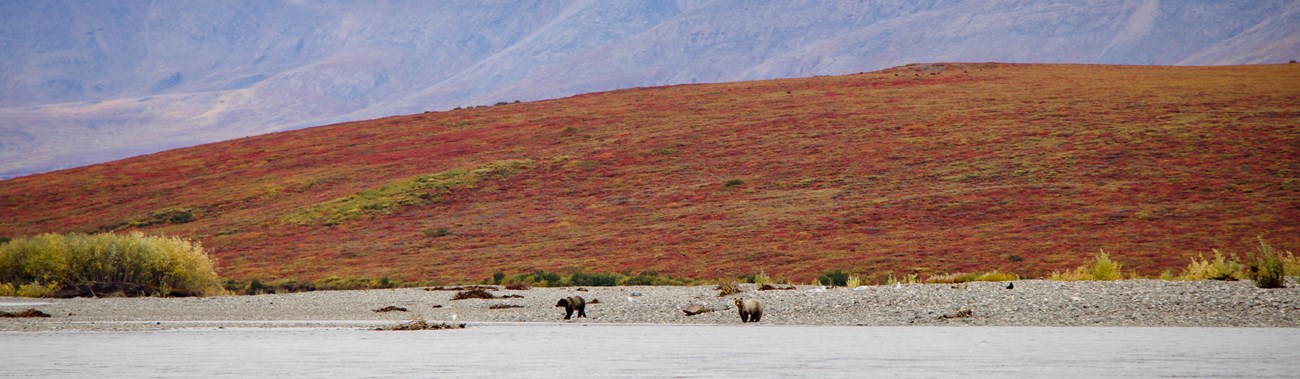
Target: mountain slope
[(927, 168), (86, 82)]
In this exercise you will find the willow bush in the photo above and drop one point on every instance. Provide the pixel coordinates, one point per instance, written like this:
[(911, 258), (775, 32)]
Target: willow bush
[(1099, 268), (162, 264), (1219, 268), (1269, 267)]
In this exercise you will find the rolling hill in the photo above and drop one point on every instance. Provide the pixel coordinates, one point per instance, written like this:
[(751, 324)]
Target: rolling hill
[(87, 82), (925, 168)]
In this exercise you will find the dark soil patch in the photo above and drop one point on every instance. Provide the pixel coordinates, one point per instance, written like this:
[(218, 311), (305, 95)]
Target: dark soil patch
[(99, 289), (505, 306), (26, 313), (769, 287), (390, 308)]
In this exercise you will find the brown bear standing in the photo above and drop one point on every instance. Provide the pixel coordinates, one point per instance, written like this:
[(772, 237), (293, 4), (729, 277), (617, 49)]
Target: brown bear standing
[(573, 303), (750, 310)]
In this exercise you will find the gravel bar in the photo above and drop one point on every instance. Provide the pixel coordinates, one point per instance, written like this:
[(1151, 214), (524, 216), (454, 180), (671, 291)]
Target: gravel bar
[(1138, 303)]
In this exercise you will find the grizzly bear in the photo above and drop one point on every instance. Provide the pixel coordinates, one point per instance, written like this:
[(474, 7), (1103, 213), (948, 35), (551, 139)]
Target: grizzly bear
[(750, 310), (573, 303)]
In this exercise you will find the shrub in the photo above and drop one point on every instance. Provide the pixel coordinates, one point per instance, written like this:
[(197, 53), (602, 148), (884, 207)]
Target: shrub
[(760, 278), (909, 279), (728, 287), (334, 283), (255, 287), (733, 183), (539, 278), (651, 278), (159, 264), (1291, 264), (594, 279), (1100, 268), (853, 281), (35, 289), (995, 276), (991, 276), (1269, 269), (290, 286), (1220, 268), (834, 278)]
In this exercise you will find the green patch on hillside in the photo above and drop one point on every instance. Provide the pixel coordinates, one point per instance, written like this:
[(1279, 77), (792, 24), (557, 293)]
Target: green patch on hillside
[(419, 190), (159, 217)]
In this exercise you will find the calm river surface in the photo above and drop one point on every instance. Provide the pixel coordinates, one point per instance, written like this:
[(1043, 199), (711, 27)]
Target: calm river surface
[(657, 351)]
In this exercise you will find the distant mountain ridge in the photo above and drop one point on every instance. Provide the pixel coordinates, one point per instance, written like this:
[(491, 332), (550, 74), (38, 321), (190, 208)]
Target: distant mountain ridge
[(86, 82)]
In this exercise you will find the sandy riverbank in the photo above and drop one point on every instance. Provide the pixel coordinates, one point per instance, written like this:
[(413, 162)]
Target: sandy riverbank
[(1030, 303)]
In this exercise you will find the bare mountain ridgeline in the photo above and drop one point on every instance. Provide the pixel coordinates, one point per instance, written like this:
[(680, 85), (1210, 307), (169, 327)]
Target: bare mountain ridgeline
[(110, 75), (928, 168)]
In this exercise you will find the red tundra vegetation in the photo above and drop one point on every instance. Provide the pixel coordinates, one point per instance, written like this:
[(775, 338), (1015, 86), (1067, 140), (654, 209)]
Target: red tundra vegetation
[(928, 169)]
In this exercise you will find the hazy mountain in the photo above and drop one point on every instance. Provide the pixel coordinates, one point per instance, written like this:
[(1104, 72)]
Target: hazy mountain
[(89, 81)]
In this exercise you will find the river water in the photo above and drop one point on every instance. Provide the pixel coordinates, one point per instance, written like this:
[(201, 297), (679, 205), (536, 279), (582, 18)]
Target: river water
[(530, 350)]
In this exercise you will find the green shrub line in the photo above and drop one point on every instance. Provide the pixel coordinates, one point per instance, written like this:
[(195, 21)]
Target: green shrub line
[(1100, 267), (256, 286), (46, 264), (580, 278), (41, 266)]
